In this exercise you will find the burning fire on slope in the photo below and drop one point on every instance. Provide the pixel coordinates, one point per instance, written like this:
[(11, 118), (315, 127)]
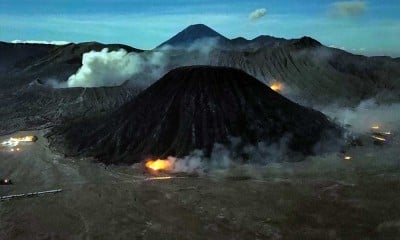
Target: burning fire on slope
[(26, 139), (276, 86), (160, 164), (13, 142)]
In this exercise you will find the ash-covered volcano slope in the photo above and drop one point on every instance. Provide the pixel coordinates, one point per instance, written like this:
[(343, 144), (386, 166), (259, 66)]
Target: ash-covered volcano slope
[(37, 106), (193, 108), (12, 53), (26, 103)]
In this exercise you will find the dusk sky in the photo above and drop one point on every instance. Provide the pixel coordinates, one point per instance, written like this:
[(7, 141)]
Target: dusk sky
[(367, 27)]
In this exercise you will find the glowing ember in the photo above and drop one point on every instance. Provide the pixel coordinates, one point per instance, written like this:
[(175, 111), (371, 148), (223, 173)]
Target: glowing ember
[(277, 87), (375, 127), (378, 138), (162, 178), (347, 158), (159, 164), (158, 178)]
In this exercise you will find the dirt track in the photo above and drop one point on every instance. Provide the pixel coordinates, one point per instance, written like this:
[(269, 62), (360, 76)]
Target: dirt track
[(319, 199)]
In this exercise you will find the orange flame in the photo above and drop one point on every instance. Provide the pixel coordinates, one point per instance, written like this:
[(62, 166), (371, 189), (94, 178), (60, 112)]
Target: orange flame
[(159, 164), (276, 86)]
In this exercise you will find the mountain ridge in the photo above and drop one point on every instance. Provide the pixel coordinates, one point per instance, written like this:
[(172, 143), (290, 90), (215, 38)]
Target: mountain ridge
[(195, 32)]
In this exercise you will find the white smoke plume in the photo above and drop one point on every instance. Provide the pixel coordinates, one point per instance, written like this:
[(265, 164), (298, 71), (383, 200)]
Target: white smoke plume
[(366, 114), (204, 45), (257, 14), (112, 68), (193, 163), (41, 42), (231, 155), (198, 52)]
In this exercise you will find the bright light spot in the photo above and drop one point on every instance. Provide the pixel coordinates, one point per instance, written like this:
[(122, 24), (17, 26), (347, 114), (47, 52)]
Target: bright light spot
[(162, 178), (376, 127), (12, 142), (159, 178), (378, 138), (347, 158), (25, 139), (276, 86), (159, 164)]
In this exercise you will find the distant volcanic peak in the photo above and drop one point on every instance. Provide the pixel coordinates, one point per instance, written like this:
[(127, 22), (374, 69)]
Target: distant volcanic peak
[(239, 39), (305, 42), (191, 34), (200, 31), (267, 38), (200, 28), (193, 108), (196, 32)]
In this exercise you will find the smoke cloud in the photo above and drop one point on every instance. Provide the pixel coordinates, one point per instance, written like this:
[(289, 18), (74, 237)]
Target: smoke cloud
[(257, 14), (349, 8), (197, 52), (233, 154), (112, 68), (366, 114)]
